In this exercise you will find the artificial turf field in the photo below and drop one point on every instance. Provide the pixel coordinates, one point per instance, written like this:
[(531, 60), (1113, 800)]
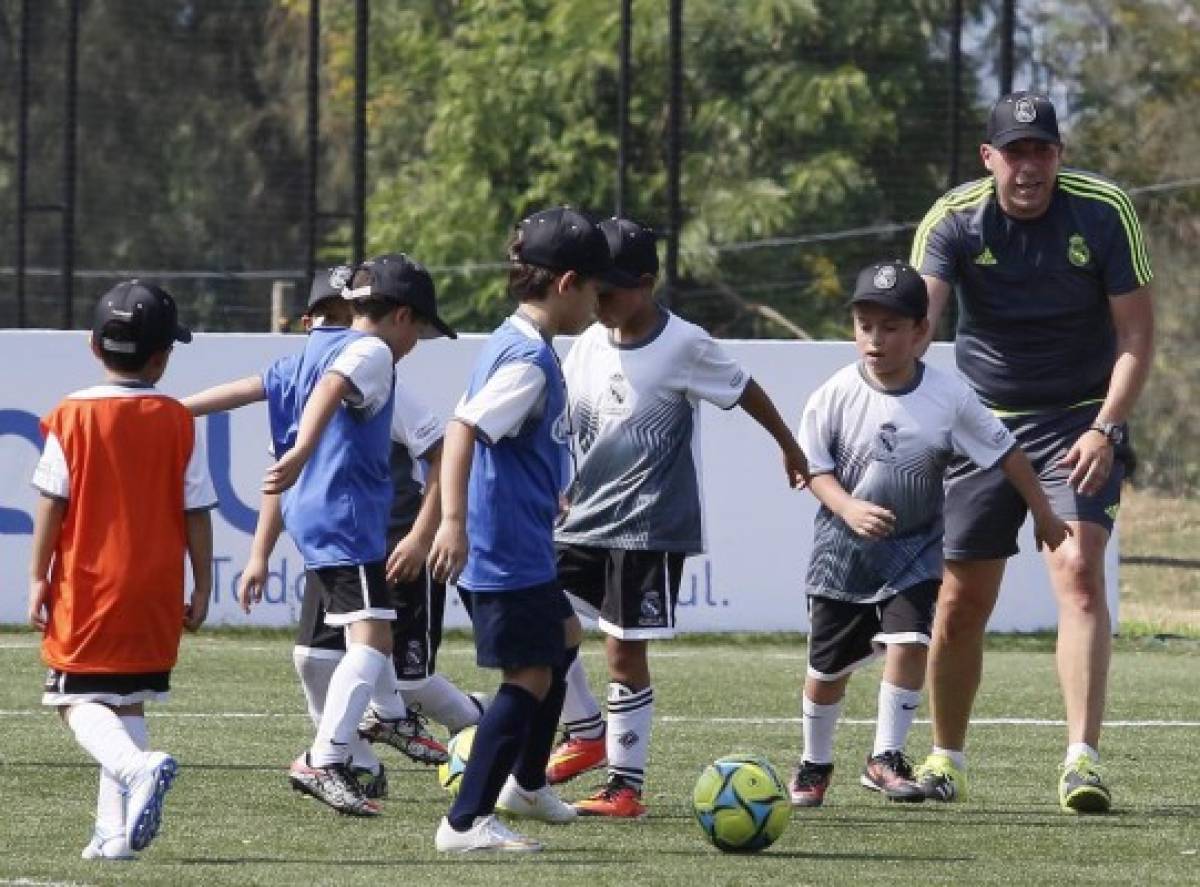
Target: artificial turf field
[(236, 719)]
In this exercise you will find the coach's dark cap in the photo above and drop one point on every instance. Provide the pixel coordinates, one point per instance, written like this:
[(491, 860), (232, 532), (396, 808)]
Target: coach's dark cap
[(563, 239), (399, 279), (1022, 115), (137, 318), (329, 283), (895, 285), (633, 249)]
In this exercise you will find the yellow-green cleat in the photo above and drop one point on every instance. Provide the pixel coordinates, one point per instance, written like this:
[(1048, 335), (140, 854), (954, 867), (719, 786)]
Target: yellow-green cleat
[(1080, 788), (940, 780)]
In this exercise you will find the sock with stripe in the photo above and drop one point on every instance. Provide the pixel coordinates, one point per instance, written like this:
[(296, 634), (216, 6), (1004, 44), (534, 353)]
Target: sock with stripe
[(897, 708), (350, 690), (581, 715), (819, 724), (498, 741), (630, 717)]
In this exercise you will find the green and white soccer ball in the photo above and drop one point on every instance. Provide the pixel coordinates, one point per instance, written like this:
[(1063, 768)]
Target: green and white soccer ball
[(741, 803), (459, 750)]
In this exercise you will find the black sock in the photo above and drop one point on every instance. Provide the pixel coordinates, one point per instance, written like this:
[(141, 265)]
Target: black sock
[(498, 740), (530, 768)]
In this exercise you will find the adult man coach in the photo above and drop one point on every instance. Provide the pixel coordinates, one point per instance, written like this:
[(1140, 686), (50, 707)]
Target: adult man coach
[(1055, 333)]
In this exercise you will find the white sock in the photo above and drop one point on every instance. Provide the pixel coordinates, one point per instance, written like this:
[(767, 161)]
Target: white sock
[(1076, 749), (103, 736), (581, 711), (349, 692), (314, 673), (957, 757), (819, 724), (387, 698), (438, 698), (111, 797), (897, 708), (630, 716)]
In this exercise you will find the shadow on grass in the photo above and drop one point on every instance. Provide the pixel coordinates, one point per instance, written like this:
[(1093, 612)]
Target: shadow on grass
[(554, 857)]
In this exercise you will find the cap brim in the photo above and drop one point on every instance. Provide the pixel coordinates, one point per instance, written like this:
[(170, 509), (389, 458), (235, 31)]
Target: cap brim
[(885, 301), (622, 279), (182, 333), (1008, 136), (442, 327)]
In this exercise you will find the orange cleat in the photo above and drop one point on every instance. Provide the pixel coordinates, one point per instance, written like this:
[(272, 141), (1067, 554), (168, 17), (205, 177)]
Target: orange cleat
[(574, 756), (617, 798)]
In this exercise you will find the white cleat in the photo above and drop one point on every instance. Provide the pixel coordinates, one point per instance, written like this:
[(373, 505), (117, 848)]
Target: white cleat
[(487, 833), (542, 804), (111, 847)]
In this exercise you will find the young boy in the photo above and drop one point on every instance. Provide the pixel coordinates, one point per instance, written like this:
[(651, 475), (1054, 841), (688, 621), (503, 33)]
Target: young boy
[(416, 434), (878, 436), (331, 420), (125, 495), (635, 381), (506, 454)]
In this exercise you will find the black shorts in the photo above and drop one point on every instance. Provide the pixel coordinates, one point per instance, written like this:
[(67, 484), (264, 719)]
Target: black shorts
[(64, 688), (417, 631), (844, 635), (984, 511), (631, 594), (319, 640), (352, 593), (520, 628)]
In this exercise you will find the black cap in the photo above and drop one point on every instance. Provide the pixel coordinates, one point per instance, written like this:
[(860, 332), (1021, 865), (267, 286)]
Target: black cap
[(895, 285), (399, 279), (1022, 115), (137, 318), (563, 239), (633, 249), (329, 282)]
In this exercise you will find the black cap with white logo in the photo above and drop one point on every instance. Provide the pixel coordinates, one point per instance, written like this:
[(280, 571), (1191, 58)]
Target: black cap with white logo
[(329, 282), (634, 251), (895, 285), (563, 239), (137, 318), (399, 279), (1022, 115)]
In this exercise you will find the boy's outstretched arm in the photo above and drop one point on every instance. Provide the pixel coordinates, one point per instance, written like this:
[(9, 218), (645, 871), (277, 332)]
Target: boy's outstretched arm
[(1049, 529), (47, 522), (198, 525), (326, 396), (866, 519), (406, 559), (228, 396), (266, 534), (448, 555), (756, 402)]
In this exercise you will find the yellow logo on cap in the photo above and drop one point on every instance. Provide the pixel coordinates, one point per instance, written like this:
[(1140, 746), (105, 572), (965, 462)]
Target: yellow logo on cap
[(985, 257), (1077, 251)]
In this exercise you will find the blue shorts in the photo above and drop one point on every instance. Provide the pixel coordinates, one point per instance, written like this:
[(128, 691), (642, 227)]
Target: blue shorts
[(519, 628)]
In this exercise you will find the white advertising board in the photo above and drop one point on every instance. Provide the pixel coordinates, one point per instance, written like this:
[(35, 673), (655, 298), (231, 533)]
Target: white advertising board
[(759, 531)]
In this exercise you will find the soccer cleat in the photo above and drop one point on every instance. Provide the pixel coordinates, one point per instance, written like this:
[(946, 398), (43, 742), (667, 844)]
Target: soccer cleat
[(408, 735), (1080, 788), (334, 785), (809, 783), (616, 798), (540, 803), (575, 755), (940, 780), (487, 833), (147, 789), (891, 774), (110, 847), (374, 785)]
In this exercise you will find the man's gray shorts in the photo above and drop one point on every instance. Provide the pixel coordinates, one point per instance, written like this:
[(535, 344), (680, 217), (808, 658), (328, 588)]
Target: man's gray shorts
[(984, 511)]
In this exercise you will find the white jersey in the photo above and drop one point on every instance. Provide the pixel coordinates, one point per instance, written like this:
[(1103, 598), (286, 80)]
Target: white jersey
[(890, 448), (636, 414)]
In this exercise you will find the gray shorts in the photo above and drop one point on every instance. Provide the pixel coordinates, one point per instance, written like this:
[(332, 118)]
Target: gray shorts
[(984, 511)]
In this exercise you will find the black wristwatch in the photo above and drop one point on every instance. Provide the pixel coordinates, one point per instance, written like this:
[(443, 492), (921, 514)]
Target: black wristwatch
[(1113, 432)]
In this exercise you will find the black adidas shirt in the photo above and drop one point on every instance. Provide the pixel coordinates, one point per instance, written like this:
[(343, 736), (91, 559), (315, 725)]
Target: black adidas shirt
[(1035, 328)]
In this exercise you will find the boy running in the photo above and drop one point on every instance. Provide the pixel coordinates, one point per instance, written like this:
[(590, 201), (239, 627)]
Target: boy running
[(125, 495), (331, 420), (504, 466), (636, 380), (878, 436)]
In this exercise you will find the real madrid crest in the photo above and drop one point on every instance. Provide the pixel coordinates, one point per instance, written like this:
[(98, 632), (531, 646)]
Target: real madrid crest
[(1077, 251), (339, 277), (885, 277), (1025, 111)]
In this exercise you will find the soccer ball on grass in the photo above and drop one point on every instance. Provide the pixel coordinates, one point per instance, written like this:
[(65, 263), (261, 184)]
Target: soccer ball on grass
[(741, 803)]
